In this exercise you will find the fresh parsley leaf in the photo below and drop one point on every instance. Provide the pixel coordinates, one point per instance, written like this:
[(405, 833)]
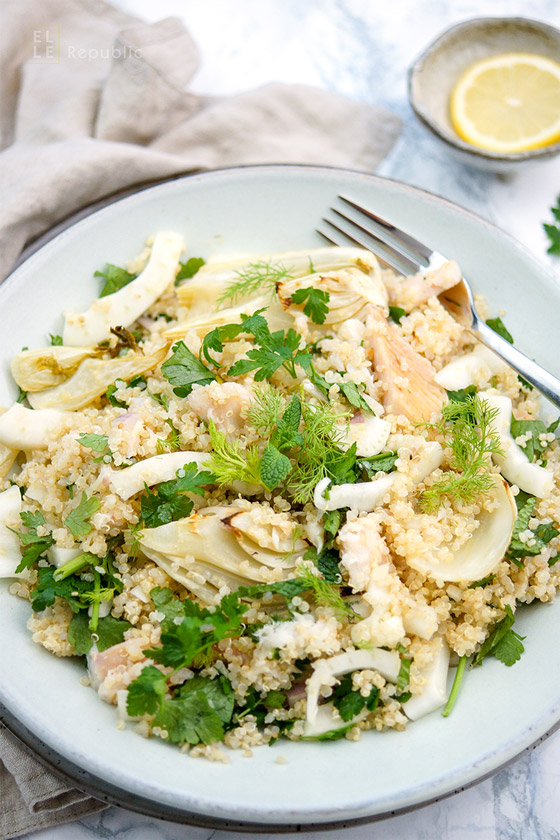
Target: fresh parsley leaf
[(56, 340), (214, 340), (315, 303), (553, 230), (503, 642), (327, 561), (188, 269), (278, 349), (396, 313), (499, 327), (167, 503), (77, 520), (218, 692), (34, 546), (110, 631), (332, 523), (109, 393), (463, 394), (183, 370), (166, 603), (48, 589), (189, 719), (350, 702), (404, 672), (98, 443), (147, 692), (115, 278)]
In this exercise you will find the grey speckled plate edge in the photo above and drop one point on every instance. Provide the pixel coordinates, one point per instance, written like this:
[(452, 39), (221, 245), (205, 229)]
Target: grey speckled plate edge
[(111, 793)]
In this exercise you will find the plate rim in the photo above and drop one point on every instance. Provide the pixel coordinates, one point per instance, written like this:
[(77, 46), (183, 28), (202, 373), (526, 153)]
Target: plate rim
[(112, 793)]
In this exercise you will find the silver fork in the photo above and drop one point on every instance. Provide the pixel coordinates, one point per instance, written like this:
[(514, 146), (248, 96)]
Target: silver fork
[(407, 255)]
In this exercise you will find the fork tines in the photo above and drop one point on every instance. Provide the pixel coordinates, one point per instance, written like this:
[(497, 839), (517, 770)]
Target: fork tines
[(365, 228)]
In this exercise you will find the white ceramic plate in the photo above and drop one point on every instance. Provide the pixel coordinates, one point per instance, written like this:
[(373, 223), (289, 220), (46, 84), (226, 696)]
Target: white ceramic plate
[(500, 711)]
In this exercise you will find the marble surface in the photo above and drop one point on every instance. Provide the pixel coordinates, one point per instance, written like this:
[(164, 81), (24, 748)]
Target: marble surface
[(363, 48)]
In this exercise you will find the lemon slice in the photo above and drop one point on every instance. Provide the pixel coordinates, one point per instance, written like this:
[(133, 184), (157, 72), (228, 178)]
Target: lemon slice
[(508, 103)]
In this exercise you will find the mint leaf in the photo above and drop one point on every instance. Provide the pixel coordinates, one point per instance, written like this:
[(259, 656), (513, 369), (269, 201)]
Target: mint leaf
[(327, 561), (183, 370), (146, 693), (315, 303), (275, 467), (188, 269), (115, 278), (92, 441)]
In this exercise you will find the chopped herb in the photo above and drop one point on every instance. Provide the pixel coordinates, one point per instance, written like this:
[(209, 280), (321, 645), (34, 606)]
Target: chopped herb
[(396, 313), (533, 447), (463, 394), (256, 277), (499, 327), (183, 370), (541, 536), (350, 702), (189, 719), (483, 582), (22, 395), (467, 430), (167, 503), (188, 269), (98, 443), (115, 278), (403, 677), (110, 631), (109, 393), (353, 394), (34, 546), (332, 523), (503, 642), (327, 561), (277, 349), (77, 520), (56, 340), (553, 230), (147, 692), (229, 462), (315, 303)]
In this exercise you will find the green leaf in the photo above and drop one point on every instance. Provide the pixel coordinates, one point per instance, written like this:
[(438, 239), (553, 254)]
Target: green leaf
[(147, 692), (109, 393), (327, 561), (533, 448), (499, 327), (190, 719), (56, 340), (502, 638), (156, 511), (274, 700), (286, 434), (110, 631), (354, 397), (553, 233), (218, 692), (278, 350), (188, 269), (315, 303), (275, 467), (396, 313), (332, 523), (404, 672), (183, 370), (33, 546), (463, 394), (166, 603), (384, 462), (79, 634), (115, 278), (48, 589), (256, 277), (77, 520), (350, 702), (98, 443)]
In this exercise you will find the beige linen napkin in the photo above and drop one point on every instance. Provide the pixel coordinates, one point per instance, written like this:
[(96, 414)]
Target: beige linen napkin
[(93, 101)]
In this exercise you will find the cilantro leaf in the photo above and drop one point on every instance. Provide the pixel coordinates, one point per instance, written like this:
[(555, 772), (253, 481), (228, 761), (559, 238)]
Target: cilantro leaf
[(541, 535), (218, 692), (190, 719), (48, 588), (56, 340), (147, 692), (183, 370), (503, 642), (77, 520), (167, 503), (533, 448), (403, 677), (463, 394), (277, 349), (315, 303), (166, 603), (115, 278), (396, 313), (188, 269), (110, 631), (33, 545), (253, 324)]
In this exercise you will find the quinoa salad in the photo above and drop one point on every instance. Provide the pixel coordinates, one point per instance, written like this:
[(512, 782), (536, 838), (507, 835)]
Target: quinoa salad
[(275, 496)]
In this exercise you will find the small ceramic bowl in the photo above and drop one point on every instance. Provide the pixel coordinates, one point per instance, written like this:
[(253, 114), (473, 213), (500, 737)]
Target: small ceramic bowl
[(434, 74)]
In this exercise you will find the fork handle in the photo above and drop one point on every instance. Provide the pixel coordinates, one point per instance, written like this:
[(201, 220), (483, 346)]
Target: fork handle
[(541, 379)]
